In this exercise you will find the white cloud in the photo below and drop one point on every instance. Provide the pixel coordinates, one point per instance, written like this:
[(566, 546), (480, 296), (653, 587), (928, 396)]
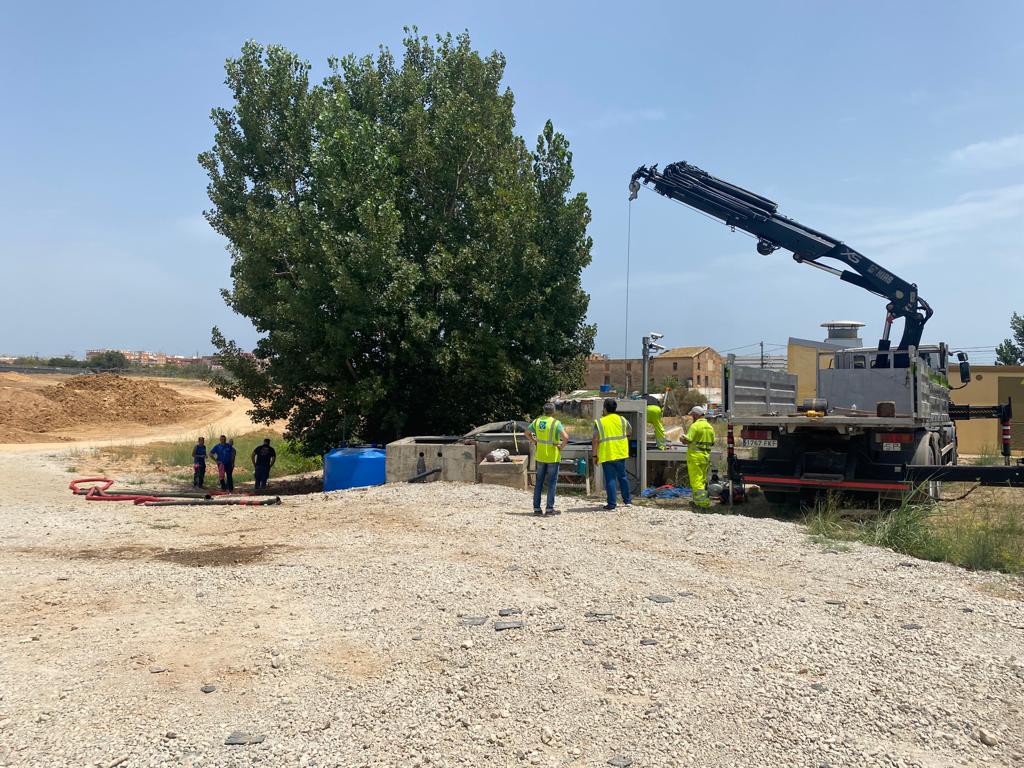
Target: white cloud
[(616, 118), (996, 154)]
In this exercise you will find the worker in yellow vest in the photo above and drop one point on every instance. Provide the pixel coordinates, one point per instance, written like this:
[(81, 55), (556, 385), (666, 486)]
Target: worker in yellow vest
[(610, 444), (547, 433), (699, 440), (654, 419)]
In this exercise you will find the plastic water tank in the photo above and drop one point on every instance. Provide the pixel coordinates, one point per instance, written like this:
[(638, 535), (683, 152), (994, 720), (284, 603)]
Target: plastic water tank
[(353, 468)]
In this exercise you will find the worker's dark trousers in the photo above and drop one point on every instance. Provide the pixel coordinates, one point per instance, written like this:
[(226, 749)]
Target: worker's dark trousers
[(199, 474), (229, 481), (262, 474), (615, 474)]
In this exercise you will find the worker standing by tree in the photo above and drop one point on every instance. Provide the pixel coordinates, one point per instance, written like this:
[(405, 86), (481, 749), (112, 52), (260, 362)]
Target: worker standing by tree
[(223, 454), (699, 440), (547, 433), (199, 463), (610, 444), (263, 458), (654, 419)]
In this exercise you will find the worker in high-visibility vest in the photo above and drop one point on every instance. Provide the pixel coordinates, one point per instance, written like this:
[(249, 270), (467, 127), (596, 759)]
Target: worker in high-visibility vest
[(547, 433), (699, 440), (654, 419), (610, 444)]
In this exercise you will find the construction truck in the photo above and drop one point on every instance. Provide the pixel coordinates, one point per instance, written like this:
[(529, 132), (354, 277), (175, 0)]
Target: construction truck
[(882, 421)]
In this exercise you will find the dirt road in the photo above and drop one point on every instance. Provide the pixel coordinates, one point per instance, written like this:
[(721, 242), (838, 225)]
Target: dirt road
[(360, 629)]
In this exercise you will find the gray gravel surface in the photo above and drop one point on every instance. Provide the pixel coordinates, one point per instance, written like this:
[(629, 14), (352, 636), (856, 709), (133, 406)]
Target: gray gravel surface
[(333, 631)]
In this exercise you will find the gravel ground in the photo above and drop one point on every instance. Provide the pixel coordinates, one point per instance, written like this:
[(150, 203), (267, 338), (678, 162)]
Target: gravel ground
[(361, 629)]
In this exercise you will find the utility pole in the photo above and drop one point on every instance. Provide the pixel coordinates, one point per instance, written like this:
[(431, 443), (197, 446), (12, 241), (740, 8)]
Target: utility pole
[(762, 354)]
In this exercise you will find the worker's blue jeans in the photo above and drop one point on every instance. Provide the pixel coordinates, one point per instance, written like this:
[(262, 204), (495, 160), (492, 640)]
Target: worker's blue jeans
[(549, 471), (615, 472)]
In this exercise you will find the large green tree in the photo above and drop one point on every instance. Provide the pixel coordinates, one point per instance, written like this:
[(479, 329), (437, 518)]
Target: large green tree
[(411, 266), (1011, 351)]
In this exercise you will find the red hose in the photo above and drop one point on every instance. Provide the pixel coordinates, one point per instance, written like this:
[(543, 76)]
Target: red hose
[(98, 492)]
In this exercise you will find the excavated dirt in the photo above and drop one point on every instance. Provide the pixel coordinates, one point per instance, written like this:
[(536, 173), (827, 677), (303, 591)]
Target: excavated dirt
[(31, 413)]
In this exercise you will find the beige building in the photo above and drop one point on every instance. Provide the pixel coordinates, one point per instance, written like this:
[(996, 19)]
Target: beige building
[(697, 368), (990, 385)]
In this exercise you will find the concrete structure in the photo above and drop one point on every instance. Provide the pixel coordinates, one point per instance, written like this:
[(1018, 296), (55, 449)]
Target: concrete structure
[(990, 385), (456, 460), (697, 368)]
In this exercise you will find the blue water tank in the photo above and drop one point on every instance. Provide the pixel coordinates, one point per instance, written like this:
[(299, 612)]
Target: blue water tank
[(353, 468), (606, 387)]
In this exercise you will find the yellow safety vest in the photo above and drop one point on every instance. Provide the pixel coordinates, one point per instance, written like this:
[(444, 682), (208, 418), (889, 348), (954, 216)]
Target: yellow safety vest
[(546, 430), (700, 436), (613, 442)]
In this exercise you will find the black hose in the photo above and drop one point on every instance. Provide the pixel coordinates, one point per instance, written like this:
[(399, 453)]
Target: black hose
[(215, 503), (423, 475)]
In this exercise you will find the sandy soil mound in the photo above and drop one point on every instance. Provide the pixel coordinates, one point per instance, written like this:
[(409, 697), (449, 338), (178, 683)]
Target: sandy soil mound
[(88, 399)]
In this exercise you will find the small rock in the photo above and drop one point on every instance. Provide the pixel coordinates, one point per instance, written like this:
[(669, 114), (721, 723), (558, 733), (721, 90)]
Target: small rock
[(236, 738), (546, 735), (911, 626), (119, 761), (588, 642), (170, 735), (502, 625), (157, 670), (660, 599), (648, 641), (474, 621), (620, 762), (986, 738), (968, 610), (556, 628), (510, 611), (467, 644), (686, 594), (834, 602), (63, 578), (907, 564), (275, 662), (818, 687), (417, 637), (608, 665), (208, 688)]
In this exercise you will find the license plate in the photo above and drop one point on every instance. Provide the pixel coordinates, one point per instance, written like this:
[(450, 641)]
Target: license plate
[(892, 446), (759, 443)]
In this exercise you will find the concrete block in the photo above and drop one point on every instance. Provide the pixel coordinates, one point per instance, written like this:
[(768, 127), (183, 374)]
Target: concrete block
[(456, 461), (511, 474)]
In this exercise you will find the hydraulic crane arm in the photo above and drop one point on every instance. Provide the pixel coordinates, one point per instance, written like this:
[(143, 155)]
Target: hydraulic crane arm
[(738, 207)]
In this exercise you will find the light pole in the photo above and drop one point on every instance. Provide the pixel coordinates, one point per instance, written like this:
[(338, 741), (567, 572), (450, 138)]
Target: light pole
[(650, 344)]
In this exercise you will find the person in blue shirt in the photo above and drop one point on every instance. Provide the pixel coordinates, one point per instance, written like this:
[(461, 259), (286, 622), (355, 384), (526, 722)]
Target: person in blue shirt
[(224, 453), (199, 463)]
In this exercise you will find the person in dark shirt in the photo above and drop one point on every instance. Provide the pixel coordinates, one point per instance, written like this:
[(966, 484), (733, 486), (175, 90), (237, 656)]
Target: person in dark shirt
[(263, 458), (199, 463)]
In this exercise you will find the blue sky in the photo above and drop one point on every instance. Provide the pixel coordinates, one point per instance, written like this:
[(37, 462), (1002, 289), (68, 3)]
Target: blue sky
[(897, 127)]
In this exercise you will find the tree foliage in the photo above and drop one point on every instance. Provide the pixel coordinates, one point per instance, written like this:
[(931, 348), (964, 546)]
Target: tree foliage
[(412, 267), (1011, 351), (109, 360)]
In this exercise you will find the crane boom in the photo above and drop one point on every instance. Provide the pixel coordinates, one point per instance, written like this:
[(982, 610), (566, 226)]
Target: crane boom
[(759, 216)]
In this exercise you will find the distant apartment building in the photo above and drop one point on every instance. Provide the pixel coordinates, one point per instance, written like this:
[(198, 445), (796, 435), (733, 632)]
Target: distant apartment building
[(697, 368), (148, 359)]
